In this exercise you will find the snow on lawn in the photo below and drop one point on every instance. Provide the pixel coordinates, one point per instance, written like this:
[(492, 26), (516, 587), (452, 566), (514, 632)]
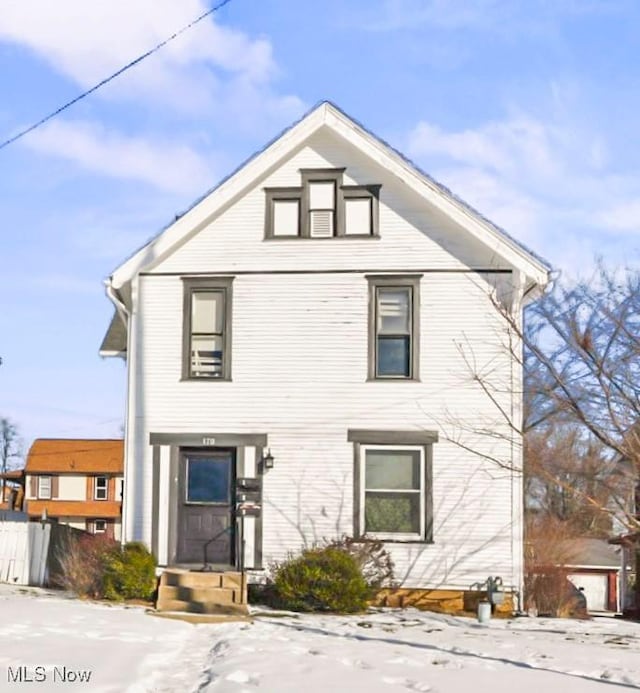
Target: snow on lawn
[(415, 651), (126, 649)]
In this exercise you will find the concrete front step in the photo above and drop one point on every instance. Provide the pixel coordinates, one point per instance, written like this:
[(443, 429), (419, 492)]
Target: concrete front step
[(184, 578), (201, 618), (201, 592), (219, 595), (177, 605)]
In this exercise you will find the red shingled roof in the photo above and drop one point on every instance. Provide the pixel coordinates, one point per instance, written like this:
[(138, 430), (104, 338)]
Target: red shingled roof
[(76, 456)]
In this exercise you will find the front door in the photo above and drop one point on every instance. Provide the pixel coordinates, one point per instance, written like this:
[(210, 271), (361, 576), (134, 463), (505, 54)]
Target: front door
[(205, 512)]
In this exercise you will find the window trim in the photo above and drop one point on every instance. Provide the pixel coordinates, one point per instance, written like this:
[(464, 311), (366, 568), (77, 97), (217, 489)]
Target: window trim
[(394, 281), (94, 524), (95, 487), (390, 440), (321, 175), (278, 195), (192, 285), (341, 194), (41, 495), (361, 192), (394, 536)]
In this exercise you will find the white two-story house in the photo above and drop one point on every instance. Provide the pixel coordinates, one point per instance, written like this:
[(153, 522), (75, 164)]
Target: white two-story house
[(303, 348)]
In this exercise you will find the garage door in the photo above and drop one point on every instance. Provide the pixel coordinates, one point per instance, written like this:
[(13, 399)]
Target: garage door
[(594, 589)]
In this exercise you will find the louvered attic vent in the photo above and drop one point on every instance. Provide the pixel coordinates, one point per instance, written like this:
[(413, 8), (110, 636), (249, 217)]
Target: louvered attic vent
[(321, 225)]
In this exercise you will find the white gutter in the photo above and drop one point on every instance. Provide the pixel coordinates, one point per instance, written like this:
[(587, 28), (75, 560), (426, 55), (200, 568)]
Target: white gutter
[(124, 314)]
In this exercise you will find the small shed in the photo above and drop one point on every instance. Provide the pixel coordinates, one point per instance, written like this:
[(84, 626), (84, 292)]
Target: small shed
[(594, 567)]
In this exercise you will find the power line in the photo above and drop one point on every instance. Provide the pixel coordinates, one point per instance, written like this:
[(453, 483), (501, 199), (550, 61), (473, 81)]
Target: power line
[(114, 75)]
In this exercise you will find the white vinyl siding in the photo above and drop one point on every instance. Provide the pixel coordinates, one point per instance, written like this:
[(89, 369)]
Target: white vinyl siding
[(300, 369), (305, 383)]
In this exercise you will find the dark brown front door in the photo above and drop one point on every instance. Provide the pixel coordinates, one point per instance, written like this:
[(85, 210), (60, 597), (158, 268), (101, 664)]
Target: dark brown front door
[(205, 512)]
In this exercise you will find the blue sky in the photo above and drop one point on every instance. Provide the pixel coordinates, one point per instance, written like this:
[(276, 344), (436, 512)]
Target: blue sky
[(527, 110)]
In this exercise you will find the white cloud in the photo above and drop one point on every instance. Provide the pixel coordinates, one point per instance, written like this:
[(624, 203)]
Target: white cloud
[(171, 167), (551, 184), (623, 216), (196, 72), (88, 40)]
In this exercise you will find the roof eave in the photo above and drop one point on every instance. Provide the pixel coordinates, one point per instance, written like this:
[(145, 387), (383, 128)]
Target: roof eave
[(534, 268)]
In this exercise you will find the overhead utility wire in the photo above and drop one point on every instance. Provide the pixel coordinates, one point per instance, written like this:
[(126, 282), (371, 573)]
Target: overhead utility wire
[(114, 75)]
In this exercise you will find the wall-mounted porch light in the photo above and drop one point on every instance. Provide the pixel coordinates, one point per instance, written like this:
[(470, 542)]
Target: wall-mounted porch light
[(268, 460)]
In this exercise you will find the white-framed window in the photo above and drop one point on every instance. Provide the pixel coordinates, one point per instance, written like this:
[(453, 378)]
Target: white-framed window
[(101, 488), (393, 492), (99, 526), (44, 487)]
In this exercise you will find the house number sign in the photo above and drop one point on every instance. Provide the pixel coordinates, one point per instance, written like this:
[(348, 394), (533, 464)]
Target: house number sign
[(208, 441)]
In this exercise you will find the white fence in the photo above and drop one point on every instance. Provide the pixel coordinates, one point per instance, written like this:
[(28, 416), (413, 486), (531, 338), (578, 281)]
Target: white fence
[(24, 547)]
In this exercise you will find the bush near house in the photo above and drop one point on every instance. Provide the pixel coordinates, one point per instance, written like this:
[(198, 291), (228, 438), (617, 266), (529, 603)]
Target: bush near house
[(80, 561), (100, 568), (129, 573), (340, 575), (320, 579)]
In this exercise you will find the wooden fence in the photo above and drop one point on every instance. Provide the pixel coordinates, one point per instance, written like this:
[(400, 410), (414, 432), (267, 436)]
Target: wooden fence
[(24, 548)]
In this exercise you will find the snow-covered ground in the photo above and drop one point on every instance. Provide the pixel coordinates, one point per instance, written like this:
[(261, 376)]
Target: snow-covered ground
[(125, 649)]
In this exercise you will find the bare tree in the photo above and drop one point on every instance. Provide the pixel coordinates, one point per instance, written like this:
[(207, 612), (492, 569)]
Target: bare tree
[(9, 448), (579, 348), (582, 346)]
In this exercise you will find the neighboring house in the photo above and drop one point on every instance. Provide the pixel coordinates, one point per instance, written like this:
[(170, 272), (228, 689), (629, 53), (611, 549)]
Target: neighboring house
[(12, 493), (594, 566), (76, 482), (299, 346)]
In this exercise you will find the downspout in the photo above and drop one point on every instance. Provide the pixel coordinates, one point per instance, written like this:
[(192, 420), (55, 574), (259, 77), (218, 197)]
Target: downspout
[(521, 303), (114, 297), (517, 304), (124, 314)]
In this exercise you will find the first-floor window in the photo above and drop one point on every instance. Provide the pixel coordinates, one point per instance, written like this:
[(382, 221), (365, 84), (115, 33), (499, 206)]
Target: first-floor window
[(44, 487), (393, 483), (99, 526), (101, 485), (393, 492)]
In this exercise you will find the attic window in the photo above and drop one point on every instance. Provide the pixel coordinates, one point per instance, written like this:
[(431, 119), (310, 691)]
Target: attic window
[(322, 207)]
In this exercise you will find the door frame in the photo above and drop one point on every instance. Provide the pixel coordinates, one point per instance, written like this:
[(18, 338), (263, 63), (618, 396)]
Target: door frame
[(182, 453)]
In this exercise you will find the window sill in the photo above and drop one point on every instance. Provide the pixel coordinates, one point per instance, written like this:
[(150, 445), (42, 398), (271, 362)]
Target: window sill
[(386, 540), (393, 380), (205, 380), (349, 237)]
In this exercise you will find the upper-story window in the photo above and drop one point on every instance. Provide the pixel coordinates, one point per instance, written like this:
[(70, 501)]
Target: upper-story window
[(207, 329), (322, 207), (394, 327), (100, 488), (44, 487)]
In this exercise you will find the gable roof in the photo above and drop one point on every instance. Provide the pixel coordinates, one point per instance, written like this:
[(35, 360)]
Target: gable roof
[(590, 552), (79, 456), (328, 115)]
